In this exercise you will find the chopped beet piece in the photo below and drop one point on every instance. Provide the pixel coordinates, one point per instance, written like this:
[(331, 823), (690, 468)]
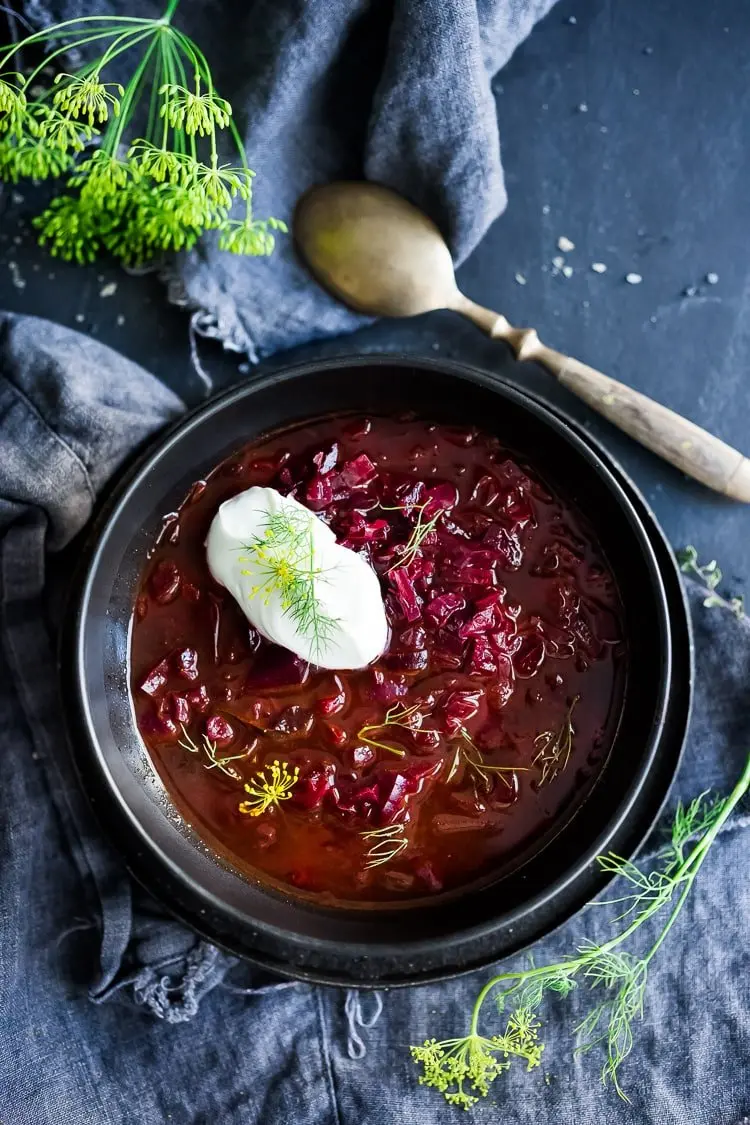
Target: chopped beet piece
[(165, 582), (186, 663), (332, 704), (358, 427), (426, 739), (156, 679), (449, 651), (559, 642), (385, 689), (326, 459), (292, 722), (460, 435), (480, 623), (442, 606), (505, 545), (219, 730), (518, 509), (275, 667), (161, 728), (439, 498), (337, 734), (313, 786), (482, 661), (459, 707), (175, 707), (319, 492), (486, 491), (413, 638), (408, 597), (191, 592), (530, 655), (266, 833), (416, 660), (363, 756), (426, 872), (359, 472), (360, 531), (198, 698), (467, 574), (492, 738), (509, 474)]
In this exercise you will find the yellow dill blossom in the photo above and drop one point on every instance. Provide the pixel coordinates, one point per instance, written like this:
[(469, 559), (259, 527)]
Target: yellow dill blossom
[(87, 97), (268, 790)]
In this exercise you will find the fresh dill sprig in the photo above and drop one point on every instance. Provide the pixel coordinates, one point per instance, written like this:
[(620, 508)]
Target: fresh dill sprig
[(269, 789), (710, 576), (468, 752), (211, 751), (419, 533), (389, 842), (395, 716), (554, 747), (135, 196), (283, 562), (462, 1069)]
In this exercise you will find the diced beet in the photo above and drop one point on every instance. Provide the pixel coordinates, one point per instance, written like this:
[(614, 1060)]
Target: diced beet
[(275, 667), (336, 734), (480, 623), (385, 689), (439, 498), (358, 472), (530, 655), (468, 574), (491, 738), (509, 474), (442, 606), (360, 530), (159, 727), (164, 582), (199, 698), (459, 707), (408, 597), (413, 638), (560, 643), (292, 722), (505, 545), (191, 592), (319, 492), (219, 730), (482, 661), (326, 459), (314, 785), (416, 660), (332, 704), (449, 651), (265, 833), (486, 491), (500, 691), (156, 679), (175, 707), (588, 643), (459, 435), (186, 663), (363, 756), (426, 739), (384, 794), (518, 509)]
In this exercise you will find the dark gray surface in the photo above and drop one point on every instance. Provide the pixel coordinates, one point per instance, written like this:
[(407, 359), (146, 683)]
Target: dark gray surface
[(653, 181)]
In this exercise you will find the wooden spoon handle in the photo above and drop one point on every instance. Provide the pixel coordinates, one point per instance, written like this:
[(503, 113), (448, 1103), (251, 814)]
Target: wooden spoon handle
[(699, 454)]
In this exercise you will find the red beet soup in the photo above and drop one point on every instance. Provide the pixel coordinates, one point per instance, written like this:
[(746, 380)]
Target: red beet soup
[(486, 719)]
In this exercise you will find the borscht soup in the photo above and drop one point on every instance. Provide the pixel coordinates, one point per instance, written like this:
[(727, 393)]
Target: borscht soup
[(376, 659)]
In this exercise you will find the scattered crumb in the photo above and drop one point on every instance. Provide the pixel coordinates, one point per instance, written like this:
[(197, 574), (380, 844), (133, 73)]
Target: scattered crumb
[(520, 279), (652, 319), (690, 291), (546, 209), (51, 276), (603, 129), (583, 108), (17, 240), (599, 267), (15, 276), (17, 198), (435, 346), (545, 268), (79, 318), (244, 369), (565, 244), (36, 267), (109, 289), (120, 320), (648, 50), (636, 92), (567, 271), (585, 304), (572, 20), (641, 232), (545, 105), (712, 278), (558, 262), (633, 278)]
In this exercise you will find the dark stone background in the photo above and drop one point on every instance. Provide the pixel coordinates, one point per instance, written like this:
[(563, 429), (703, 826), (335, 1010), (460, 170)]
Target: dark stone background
[(652, 177)]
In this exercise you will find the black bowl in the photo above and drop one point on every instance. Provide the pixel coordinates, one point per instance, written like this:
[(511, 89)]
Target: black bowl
[(441, 937)]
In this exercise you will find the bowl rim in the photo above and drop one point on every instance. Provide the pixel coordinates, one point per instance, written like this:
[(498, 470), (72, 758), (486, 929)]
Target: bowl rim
[(618, 483)]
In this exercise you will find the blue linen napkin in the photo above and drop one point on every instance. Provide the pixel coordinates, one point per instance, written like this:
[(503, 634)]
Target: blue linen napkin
[(232, 1046)]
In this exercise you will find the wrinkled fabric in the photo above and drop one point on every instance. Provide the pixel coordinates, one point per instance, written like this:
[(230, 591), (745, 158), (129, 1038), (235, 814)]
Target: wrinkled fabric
[(180, 1032), (398, 92)]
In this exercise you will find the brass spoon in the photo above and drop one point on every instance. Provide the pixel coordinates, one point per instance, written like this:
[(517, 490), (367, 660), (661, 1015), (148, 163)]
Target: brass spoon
[(381, 256)]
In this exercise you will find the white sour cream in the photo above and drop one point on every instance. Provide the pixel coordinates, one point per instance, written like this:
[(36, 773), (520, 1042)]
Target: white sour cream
[(346, 589)]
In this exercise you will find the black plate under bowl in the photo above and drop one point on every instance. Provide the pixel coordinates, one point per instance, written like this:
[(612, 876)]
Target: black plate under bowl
[(441, 937)]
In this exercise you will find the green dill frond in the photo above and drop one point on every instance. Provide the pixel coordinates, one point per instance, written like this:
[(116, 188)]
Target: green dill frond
[(221, 183), (464, 1069), (389, 842), (70, 229), (553, 748), (408, 718), (61, 132), (160, 164), (249, 236), (419, 533), (87, 97), (194, 112)]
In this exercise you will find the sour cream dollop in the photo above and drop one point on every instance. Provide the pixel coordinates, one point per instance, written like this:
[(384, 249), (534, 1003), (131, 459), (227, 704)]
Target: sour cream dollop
[(346, 588)]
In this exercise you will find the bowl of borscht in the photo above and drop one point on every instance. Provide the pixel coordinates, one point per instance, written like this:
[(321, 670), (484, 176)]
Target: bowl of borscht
[(370, 659)]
